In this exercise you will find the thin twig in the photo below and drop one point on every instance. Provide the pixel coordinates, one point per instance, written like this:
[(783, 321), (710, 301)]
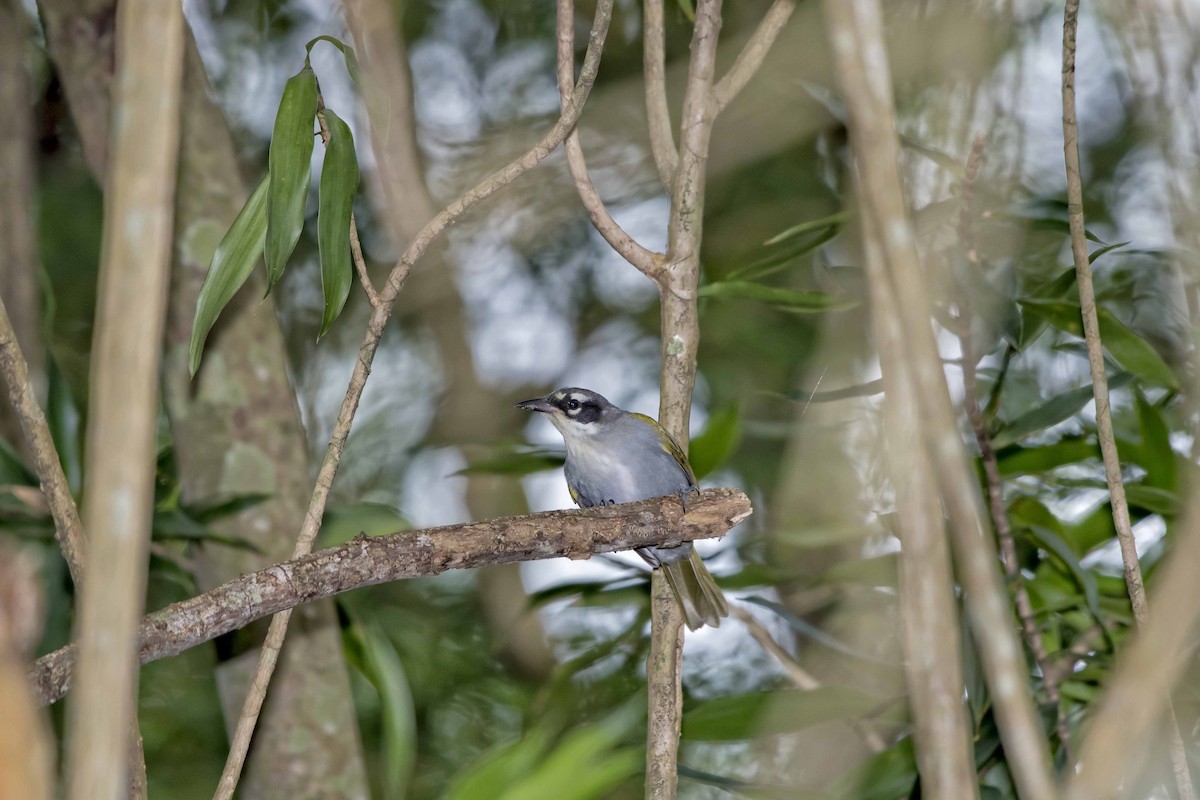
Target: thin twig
[(119, 483), (646, 260), (987, 453), (356, 254), (662, 140), (362, 367), (751, 57), (15, 372), (857, 37), (366, 561), (1095, 351)]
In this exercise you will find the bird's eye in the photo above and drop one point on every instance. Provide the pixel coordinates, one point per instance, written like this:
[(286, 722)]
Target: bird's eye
[(572, 405)]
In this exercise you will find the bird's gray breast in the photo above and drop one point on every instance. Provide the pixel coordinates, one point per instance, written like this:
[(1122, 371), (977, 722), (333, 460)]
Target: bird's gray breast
[(621, 462)]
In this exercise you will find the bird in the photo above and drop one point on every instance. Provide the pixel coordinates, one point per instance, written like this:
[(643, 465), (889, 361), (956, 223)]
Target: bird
[(617, 456)]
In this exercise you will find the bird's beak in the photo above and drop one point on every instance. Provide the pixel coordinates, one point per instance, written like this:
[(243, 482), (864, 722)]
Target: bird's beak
[(542, 404)]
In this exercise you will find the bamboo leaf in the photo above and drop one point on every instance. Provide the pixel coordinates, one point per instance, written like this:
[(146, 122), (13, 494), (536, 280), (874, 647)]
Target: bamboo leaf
[(785, 299), (290, 159), (832, 221), (231, 265), (339, 182), (1057, 409), (709, 450)]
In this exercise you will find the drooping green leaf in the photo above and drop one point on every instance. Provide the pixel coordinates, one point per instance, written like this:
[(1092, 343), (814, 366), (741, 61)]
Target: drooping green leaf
[(1154, 453), (786, 299), (339, 182), (375, 656), (1057, 409), (375, 100), (1033, 324), (746, 716), (784, 257), (1153, 499), (1108, 248), (831, 221), (709, 450), (231, 265), (290, 161)]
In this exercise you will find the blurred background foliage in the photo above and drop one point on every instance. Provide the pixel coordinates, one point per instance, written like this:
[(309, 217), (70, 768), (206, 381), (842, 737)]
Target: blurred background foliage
[(530, 684)]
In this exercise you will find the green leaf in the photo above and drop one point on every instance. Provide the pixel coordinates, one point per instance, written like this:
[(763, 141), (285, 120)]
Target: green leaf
[(290, 165), (499, 767), (342, 523), (1153, 499), (1018, 460), (516, 461), (1053, 543), (831, 221), (786, 299), (783, 257), (1108, 248), (1154, 453), (375, 100), (231, 265), (1057, 409), (1125, 346), (709, 450), (375, 656), (884, 776), (339, 182), (746, 716)]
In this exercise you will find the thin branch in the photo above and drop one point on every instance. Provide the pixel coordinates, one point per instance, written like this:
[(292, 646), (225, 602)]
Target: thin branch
[(15, 372), (362, 367), (987, 453), (1095, 351), (134, 276), (356, 254), (647, 261), (751, 58), (662, 139), (366, 561), (857, 36)]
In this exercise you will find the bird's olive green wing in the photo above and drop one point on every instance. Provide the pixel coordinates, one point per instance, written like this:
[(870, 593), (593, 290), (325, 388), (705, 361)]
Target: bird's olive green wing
[(669, 445)]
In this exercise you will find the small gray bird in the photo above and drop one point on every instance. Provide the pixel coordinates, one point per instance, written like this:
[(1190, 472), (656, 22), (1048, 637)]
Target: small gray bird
[(616, 456)]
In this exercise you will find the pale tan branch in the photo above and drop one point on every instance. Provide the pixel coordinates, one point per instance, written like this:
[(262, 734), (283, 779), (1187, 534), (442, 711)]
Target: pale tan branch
[(647, 261), (362, 367), (751, 57), (856, 31), (67, 527), (123, 408), (366, 561), (658, 114), (1095, 351)]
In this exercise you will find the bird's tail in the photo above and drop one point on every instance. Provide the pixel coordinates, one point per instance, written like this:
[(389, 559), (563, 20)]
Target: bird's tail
[(697, 593)]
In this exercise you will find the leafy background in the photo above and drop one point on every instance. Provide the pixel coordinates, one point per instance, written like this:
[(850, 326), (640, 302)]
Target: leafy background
[(454, 695)]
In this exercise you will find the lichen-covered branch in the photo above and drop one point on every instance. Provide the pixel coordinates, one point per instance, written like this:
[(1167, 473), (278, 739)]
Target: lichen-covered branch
[(366, 561)]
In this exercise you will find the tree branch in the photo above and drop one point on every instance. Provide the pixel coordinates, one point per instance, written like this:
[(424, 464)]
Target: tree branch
[(857, 37), (135, 267), (1095, 351), (646, 260), (751, 58), (987, 453), (15, 372), (362, 368), (662, 140), (366, 561)]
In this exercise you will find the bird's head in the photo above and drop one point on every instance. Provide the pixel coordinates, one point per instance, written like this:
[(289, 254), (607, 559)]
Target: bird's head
[(577, 413)]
